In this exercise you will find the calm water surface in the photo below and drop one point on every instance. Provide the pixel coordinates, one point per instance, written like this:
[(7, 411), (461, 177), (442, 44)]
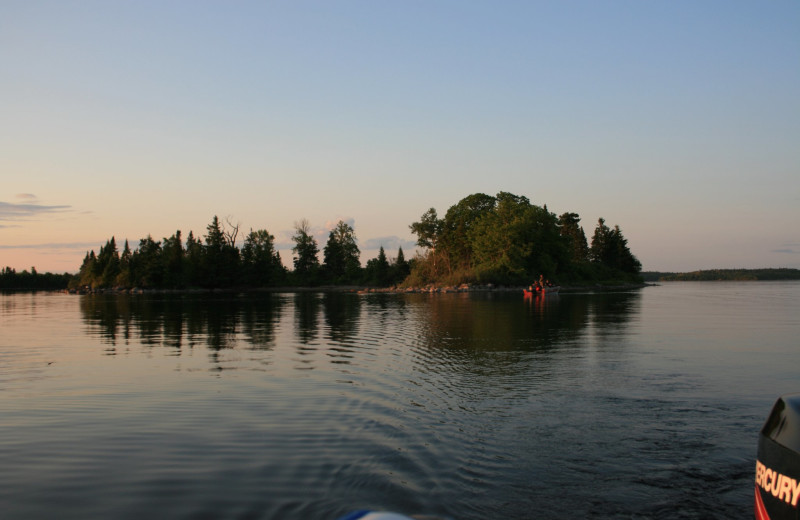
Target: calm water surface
[(641, 404)]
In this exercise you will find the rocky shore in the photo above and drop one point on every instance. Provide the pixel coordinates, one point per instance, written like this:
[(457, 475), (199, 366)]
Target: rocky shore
[(465, 288), (429, 289)]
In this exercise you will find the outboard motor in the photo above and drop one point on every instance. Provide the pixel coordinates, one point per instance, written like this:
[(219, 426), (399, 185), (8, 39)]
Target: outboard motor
[(778, 465)]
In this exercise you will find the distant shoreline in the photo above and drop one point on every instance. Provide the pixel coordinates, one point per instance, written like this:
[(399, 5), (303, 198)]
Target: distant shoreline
[(734, 275)]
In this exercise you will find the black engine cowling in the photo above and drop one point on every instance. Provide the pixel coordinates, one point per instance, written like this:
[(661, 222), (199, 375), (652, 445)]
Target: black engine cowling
[(777, 493)]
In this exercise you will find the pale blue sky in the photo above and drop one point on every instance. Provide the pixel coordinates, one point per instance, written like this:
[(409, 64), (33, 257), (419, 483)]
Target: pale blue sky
[(678, 121)]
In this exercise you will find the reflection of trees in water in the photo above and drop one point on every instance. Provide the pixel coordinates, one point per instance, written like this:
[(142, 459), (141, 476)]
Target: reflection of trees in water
[(221, 319), (306, 316), (490, 322), (341, 316), (483, 334), (306, 326), (384, 309), (611, 312), (342, 325), (259, 322), (505, 343), (178, 321), (110, 316)]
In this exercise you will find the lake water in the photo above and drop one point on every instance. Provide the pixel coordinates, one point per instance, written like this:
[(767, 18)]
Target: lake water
[(643, 404)]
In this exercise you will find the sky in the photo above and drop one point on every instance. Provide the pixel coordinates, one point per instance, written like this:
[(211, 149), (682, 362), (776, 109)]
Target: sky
[(677, 121)]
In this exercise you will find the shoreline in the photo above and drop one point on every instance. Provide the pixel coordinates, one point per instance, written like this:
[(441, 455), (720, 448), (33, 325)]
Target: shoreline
[(359, 289)]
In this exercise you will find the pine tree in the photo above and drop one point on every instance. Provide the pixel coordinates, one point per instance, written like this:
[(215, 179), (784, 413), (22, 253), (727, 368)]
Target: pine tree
[(400, 268), (86, 272), (601, 240), (221, 257), (378, 270), (124, 276), (306, 262), (610, 248), (174, 262), (111, 260), (147, 264), (194, 260), (569, 228)]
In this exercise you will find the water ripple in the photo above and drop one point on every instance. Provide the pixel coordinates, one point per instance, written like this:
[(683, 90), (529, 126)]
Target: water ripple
[(310, 405)]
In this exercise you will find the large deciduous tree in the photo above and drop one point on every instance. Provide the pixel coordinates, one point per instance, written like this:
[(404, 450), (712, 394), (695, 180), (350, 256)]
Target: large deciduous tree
[(428, 231), (457, 225), (261, 263), (503, 238), (341, 262), (517, 240)]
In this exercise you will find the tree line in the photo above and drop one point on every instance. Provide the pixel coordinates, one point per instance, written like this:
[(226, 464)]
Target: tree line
[(217, 261), (710, 275), (32, 280), (507, 240), (502, 239)]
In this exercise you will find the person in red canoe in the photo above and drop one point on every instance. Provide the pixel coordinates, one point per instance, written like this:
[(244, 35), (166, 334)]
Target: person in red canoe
[(537, 285)]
